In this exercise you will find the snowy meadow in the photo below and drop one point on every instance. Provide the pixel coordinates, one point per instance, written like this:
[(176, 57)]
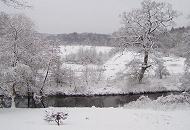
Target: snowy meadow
[(97, 119)]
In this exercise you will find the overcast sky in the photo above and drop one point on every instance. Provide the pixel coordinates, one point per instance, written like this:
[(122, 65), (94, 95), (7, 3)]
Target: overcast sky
[(98, 16)]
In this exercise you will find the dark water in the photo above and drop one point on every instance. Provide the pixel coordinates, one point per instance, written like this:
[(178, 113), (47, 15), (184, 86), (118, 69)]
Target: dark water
[(86, 101), (99, 101)]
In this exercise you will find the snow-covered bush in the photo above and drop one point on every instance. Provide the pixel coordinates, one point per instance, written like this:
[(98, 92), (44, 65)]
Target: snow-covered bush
[(174, 99), (130, 76), (92, 75), (52, 116), (161, 69), (167, 102), (62, 77), (141, 102)]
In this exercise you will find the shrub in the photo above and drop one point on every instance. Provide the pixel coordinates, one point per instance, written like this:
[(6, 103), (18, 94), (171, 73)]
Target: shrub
[(58, 117)]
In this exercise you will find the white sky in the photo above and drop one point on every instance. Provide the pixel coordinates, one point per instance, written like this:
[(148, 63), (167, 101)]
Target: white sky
[(98, 16)]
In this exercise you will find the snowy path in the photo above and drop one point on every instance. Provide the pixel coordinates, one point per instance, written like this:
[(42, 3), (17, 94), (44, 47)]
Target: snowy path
[(97, 119)]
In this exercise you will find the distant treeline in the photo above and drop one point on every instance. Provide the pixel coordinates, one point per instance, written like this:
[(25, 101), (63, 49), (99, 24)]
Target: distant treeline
[(82, 39), (94, 39)]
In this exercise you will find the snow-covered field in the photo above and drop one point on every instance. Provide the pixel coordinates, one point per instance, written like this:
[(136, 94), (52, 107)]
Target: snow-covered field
[(118, 63), (66, 50), (96, 119)]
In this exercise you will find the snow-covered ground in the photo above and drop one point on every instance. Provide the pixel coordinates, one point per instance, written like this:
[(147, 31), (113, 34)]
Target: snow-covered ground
[(97, 119)]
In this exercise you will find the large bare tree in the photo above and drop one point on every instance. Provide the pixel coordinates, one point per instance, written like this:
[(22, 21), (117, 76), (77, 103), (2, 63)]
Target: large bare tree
[(141, 28)]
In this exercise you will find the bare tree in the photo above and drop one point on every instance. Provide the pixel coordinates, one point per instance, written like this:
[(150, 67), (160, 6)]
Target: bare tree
[(141, 28)]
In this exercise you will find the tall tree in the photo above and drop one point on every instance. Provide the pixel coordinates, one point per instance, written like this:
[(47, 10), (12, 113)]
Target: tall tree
[(141, 28)]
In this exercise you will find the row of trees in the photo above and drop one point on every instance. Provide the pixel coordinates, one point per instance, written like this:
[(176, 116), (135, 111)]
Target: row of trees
[(28, 63), (31, 66)]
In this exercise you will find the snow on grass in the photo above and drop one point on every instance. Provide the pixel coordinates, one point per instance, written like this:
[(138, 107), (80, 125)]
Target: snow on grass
[(96, 119), (117, 63)]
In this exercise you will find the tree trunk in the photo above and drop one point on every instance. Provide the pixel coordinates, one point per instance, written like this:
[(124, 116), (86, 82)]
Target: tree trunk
[(28, 94), (42, 99), (28, 99), (13, 102), (141, 74), (13, 97), (34, 103), (144, 67), (43, 84), (42, 88), (160, 75)]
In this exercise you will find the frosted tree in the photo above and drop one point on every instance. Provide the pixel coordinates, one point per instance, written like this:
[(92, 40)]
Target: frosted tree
[(51, 59), (20, 48), (141, 28), (62, 77)]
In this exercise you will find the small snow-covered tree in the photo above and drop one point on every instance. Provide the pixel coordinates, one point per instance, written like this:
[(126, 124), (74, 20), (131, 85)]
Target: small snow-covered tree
[(60, 75), (133, 73), (52, 116), (161, 69), (141, 28)]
